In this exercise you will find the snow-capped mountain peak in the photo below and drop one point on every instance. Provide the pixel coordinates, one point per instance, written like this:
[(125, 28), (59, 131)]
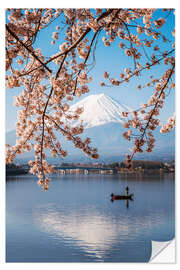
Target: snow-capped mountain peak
[(99, 110)]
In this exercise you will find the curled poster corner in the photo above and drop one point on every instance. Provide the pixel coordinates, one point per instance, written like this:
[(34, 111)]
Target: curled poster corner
[(163, 252)]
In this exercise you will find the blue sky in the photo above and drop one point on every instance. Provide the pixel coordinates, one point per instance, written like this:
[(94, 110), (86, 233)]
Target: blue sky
[(110, 59)]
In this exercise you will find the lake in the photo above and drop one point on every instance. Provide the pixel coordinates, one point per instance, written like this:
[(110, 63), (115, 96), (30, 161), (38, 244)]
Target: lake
[(75, 221)]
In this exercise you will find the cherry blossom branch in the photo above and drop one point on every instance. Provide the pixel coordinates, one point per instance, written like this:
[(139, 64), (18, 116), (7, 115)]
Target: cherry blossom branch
[(74, 45), (87, 56), (153, 110), (26, 47), (73, 138), (23, 143), (143, 68), (130, 39), (44, 111)]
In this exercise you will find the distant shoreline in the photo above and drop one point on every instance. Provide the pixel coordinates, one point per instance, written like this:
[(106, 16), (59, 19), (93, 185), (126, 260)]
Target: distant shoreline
[(66, 171), (15, 171), (111, 171)]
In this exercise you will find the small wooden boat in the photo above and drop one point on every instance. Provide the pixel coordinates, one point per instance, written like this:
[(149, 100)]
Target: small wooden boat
[(122, 197)]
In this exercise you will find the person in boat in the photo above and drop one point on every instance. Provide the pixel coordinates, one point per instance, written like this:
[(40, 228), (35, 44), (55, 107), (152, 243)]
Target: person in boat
[(127, 190)]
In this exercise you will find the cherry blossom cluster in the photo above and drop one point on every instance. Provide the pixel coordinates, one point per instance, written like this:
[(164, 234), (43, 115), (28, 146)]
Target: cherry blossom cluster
[(169, 125)]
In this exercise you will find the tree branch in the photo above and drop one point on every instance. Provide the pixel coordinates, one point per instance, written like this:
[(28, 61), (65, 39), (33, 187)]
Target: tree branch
[(26, 47), (87, 56)]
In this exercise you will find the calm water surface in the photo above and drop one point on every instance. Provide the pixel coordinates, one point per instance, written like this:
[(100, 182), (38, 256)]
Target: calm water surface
[(75, 221)]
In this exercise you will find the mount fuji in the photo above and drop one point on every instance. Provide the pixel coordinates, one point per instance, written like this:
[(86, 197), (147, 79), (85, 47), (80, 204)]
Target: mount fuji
[(102, 121), (100, 110)]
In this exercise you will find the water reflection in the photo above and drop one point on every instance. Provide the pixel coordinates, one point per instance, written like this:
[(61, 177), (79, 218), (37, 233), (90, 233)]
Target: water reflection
[(94, 232), (127, 202), (76, 221)]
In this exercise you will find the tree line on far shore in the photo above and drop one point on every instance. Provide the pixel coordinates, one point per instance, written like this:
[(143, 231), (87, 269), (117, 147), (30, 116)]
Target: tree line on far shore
[(143, 164)]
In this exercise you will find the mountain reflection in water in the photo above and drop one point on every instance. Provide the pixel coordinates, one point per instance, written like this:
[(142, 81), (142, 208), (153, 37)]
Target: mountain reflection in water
[(91, 230), (75, 221)]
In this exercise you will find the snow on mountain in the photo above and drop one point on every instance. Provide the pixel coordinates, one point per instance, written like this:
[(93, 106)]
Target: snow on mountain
[(99, 110)]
